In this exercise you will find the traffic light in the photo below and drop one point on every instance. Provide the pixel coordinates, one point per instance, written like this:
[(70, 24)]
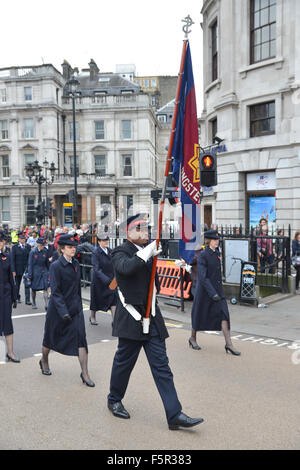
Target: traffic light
[(40, 211), (208, 169)]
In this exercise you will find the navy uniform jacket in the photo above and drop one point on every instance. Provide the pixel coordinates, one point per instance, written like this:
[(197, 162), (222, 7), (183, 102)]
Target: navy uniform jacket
[(38, 269), (102, 297), (8, 294), (19, 258), (207, 314), (65, 300), (133, 279)]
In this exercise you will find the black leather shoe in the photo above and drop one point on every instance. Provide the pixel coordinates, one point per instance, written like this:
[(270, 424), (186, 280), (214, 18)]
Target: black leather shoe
[(16, 360), (89, 383), (28, 303), (118, 410), (233, 352), (194, 346), (44, 372), (184, 421)]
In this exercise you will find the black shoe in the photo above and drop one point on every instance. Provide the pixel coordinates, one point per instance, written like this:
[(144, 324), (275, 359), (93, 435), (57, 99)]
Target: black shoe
[(19, 301), (194, 346), (89, 383), (93, 322), (44, 372), (235, 353), (184, 421), (34, 306), (16, 360), (28, 303), (118, 410)]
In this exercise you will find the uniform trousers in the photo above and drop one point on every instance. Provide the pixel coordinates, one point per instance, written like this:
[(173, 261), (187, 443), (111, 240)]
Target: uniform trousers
[(18, 280), (124, 362)]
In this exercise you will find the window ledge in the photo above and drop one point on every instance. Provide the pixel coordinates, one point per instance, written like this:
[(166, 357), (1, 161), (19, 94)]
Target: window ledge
[(277, 61), (212, 85)]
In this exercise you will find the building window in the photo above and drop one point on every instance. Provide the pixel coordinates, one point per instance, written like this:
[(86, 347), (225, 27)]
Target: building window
[(28, 93), (100, 165), (71, 130), (105, 208), (72, 173), (4, 209), (126, 129), (162, 118), (99, 130), (3, 95), (29, 204), (214, 50), (4, 130), (129, 204), (262, 119), (153, 100), (214, 129), (153, 83), (28, 129), (127, 165), (146, 83), (4, 166), (263, 30)]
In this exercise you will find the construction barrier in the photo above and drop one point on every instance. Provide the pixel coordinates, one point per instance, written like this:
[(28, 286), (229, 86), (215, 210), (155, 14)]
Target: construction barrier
[(172, 281)]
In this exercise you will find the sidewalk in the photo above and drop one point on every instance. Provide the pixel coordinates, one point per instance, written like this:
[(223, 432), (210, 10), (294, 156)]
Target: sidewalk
[(281, 319)]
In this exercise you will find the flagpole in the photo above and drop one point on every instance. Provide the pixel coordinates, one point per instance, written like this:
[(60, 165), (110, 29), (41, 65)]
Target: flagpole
[(168, 162)]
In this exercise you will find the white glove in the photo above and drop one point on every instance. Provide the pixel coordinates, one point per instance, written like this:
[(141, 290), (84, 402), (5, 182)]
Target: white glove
[(148, 251), (188, 268), (180, 263)]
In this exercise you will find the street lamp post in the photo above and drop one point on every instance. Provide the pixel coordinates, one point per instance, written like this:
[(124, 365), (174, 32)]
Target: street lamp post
[(34, 172), (73, 86)]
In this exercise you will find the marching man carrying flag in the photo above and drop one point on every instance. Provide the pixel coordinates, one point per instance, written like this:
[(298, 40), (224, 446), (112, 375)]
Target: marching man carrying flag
[(132, 262)]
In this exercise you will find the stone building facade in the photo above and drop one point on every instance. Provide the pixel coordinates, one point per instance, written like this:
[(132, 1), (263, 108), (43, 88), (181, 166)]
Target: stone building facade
[(251, 65), (117, 142)]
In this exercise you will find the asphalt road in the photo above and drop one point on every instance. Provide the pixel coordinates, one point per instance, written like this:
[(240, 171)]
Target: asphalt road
[(248, 402)]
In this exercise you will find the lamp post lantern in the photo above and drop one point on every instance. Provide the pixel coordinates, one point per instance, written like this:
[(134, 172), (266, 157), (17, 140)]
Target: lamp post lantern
[(34, 172)]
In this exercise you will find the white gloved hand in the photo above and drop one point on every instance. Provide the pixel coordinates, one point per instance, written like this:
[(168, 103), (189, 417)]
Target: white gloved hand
[(180, 263), (188, 268), (148, 251)]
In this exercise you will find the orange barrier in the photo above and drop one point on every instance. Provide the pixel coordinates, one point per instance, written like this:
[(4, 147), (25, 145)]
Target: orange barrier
[(170, 286)]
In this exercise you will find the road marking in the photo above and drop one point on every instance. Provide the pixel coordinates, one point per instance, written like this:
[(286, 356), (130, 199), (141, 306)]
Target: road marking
[(28, 315), (174, 325), (277, 342)]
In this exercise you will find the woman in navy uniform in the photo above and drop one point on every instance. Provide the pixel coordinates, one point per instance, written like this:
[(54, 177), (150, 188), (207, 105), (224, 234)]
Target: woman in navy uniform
[(133, 264), (64, 327), (102, 296), (210, 311), (8, 298), (38, 271), (19, 260)]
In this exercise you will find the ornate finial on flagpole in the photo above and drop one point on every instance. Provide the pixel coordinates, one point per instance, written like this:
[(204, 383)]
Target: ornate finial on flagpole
[(188, 22)]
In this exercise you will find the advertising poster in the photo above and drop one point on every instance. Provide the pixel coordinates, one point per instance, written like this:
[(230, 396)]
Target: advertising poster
[(262, 206)]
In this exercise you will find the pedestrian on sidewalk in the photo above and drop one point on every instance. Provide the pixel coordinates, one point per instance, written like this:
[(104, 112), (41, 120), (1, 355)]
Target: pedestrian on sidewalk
[(38, 271), (210, 311), (103, 295), (295, 255), (8, 299), (64, 327), (133, 265), (19, 262)]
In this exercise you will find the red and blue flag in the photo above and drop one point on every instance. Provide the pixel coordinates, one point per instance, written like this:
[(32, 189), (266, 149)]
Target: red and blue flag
[(186, 170)]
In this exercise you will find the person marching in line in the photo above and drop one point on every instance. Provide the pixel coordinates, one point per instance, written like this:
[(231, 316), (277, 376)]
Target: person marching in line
[(8, 299), (38, 271), (103, 297), (64, 327), (210, 311), (19, 262), (132, 262)]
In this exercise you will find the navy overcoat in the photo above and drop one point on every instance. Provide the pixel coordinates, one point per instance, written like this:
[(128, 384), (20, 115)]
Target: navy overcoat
[(133, 279), (207, 314), (8, 294), (19, 258), (38, 269), (65, 299), (102, 297)]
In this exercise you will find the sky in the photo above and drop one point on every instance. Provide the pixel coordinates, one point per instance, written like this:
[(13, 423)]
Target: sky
[(145, 33)]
